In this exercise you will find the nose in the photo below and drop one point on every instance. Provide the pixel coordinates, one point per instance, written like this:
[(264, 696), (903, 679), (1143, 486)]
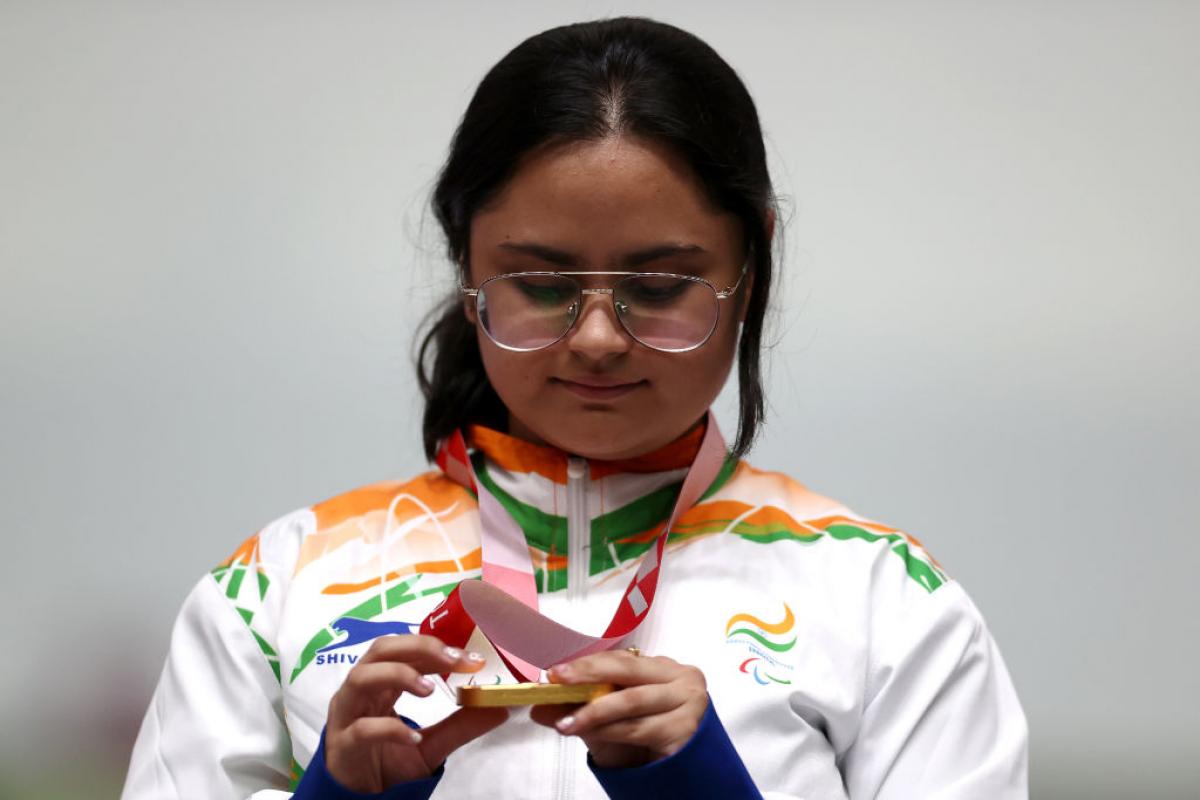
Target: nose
[(597, 334)]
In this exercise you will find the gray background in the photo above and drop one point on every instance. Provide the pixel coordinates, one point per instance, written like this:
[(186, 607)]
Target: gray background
[(214, 250)]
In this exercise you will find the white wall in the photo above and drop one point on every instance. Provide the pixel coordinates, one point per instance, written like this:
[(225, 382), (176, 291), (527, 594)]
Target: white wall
[(213, 252)]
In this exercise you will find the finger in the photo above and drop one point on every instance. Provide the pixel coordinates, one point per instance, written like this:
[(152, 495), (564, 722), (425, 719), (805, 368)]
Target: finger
[(616, 666), (662, 734), (426, 654), (345, 749), (550, 714), (638, 701), (366, 731), (442, 739), (372, 689), (354, 699)]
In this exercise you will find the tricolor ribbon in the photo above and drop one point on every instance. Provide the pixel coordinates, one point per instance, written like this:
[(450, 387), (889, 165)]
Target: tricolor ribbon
[(504, 604)]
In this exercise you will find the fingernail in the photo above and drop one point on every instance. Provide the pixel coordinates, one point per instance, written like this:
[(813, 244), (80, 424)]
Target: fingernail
[(453, 653), (565, 724), (427, 686), (415, 736), (476, 657), (561, 670)]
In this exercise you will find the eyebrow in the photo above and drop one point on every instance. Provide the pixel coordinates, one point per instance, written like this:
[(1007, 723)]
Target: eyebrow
[(562, 258)]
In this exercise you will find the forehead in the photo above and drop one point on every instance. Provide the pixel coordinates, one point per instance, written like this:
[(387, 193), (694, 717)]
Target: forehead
[(602, 199)]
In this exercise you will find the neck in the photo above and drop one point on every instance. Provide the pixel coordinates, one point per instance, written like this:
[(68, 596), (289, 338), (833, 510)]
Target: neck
[(519, 430)]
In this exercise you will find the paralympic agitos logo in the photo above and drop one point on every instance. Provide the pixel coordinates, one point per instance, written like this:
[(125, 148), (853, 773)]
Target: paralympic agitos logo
[(765, 643)]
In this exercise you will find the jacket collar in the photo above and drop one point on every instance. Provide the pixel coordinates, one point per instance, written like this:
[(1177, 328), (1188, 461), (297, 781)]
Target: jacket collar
[(519, 456), (606, 521)]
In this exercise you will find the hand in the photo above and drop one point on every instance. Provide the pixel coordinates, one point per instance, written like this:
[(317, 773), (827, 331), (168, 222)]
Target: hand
[(368, 748), (651, 717)]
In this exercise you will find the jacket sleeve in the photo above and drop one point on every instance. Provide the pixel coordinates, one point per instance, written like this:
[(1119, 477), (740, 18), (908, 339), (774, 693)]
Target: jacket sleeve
[(215, 726), (941, 718)]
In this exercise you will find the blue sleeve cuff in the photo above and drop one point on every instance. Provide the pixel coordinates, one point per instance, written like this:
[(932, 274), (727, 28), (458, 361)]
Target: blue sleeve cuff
[(707, 766), (318, 784)]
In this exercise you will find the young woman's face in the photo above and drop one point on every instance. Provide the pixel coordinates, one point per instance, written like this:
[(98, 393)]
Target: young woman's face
[(618, 204)]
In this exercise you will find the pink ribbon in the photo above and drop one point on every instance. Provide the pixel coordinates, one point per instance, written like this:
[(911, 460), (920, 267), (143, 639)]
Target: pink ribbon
[(504, 604)]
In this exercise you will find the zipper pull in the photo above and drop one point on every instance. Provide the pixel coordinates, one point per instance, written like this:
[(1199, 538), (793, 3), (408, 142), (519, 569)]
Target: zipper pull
[(576, 468)]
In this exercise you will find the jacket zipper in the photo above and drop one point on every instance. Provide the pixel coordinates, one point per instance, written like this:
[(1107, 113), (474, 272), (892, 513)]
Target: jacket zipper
[(578, 533), (578, 538)]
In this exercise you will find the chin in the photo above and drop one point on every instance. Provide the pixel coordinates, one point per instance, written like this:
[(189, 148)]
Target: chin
[(604, 446), (601, 434)]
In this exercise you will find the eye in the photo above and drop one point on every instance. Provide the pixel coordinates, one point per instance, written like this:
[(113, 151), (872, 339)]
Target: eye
[(545, 290), (655, 290)]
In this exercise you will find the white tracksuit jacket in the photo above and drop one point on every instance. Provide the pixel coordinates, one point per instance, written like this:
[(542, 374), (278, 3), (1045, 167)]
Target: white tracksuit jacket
[(841, 659)]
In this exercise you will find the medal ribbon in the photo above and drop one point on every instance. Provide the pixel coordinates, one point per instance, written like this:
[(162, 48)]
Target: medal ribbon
[(504, 604)]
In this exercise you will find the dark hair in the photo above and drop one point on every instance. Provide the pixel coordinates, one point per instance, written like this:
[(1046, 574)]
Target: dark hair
[(583, 82)]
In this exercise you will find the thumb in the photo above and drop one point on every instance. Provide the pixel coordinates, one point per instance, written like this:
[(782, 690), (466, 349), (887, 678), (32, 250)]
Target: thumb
[(442, 739)]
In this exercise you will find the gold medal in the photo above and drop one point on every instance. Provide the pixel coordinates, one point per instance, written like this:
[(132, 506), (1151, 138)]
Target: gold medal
[(531, 694)]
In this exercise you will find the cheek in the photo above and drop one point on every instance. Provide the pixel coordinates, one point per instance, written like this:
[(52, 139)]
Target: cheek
[(719, 361), (719, 351), (695, 379), (511, 374)]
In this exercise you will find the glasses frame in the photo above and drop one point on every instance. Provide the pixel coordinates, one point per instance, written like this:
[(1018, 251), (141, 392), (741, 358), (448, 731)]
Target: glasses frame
[(720, 294)]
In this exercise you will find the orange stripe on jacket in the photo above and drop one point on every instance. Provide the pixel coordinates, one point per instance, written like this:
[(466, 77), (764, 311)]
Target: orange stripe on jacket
[(246, 553), (472, 560), (433, 488)]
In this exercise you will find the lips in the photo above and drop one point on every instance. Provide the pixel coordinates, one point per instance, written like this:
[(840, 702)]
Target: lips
[(599, 388)]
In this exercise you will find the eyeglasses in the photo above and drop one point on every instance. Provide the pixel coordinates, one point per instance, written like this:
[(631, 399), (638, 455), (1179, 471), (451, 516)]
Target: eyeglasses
[(525, 311)]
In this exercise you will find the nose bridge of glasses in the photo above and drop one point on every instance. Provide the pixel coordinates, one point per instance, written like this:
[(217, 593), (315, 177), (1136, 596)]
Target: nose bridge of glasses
[(596, 298), (597, 318)]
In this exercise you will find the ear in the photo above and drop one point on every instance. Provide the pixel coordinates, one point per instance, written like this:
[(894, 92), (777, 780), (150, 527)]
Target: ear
[(468, 302)]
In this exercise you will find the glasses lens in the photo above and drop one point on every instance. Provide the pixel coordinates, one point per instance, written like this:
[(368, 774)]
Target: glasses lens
[(528, 311), (666, 312)]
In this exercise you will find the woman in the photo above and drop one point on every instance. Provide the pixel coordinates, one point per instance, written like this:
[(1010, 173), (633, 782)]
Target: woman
[(609, 213)]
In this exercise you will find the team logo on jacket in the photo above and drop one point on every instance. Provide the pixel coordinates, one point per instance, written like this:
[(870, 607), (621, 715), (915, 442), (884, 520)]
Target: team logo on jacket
[(765, 643), (359, 631)]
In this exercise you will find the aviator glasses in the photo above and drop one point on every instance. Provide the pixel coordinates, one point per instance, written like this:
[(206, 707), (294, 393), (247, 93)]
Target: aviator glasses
[(665, 311)]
